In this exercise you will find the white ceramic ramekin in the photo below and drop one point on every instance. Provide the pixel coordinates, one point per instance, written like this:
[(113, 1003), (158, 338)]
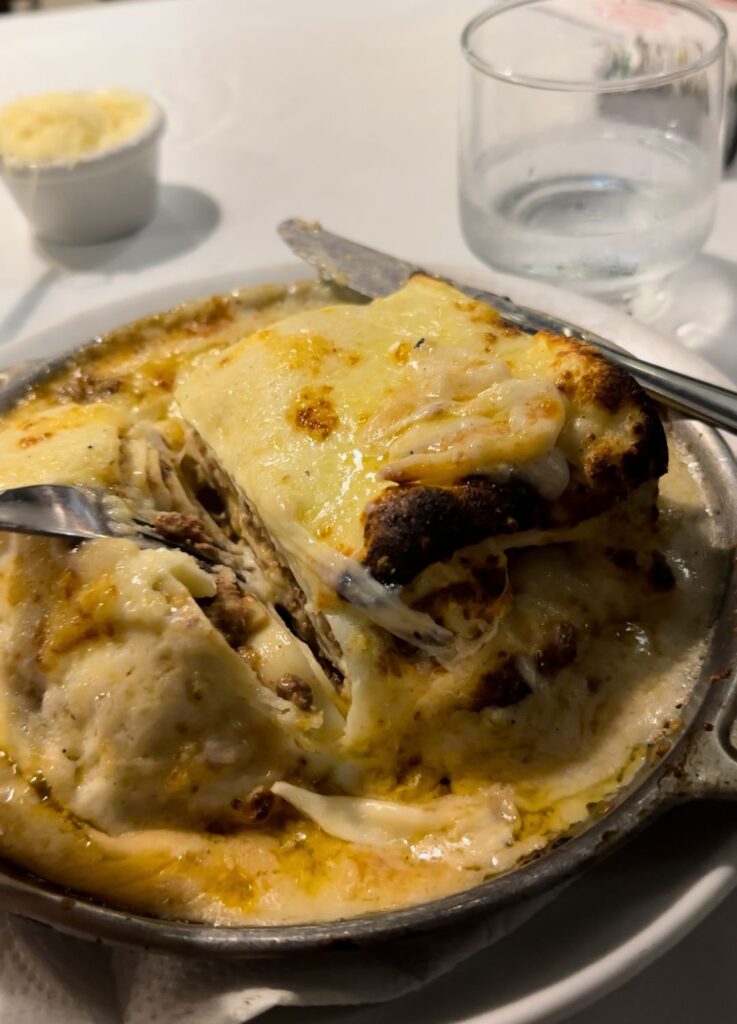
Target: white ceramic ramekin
[(96, 199)]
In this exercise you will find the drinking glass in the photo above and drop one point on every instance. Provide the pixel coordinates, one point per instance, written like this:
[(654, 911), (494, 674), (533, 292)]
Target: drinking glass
[(590, 139)]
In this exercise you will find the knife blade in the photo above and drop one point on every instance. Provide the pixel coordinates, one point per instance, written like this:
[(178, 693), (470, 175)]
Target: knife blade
[(355, 266), (376, 274)]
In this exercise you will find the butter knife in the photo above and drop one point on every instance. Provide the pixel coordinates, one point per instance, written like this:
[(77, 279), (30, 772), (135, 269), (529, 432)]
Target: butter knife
[(374, 274)]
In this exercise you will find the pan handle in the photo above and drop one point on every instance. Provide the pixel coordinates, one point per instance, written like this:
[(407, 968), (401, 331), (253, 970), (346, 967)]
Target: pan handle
[(709, 768)]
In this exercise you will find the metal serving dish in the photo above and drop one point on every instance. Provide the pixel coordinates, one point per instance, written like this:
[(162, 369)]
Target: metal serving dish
[(700, 764)]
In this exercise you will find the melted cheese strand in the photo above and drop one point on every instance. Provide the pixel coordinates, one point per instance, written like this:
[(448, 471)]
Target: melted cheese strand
[(355, 584), (462, 829), (510, 424)]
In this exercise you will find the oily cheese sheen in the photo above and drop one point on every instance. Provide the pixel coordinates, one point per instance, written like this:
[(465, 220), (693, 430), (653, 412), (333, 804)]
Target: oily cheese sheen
[(458, 605), (398, 431), (62, 445)]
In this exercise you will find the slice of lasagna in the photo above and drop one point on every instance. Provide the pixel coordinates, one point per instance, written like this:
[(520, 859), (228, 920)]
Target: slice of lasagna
[(386, 455)]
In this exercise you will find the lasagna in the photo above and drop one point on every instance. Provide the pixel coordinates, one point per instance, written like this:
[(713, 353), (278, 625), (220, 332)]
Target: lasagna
[(435, 592)]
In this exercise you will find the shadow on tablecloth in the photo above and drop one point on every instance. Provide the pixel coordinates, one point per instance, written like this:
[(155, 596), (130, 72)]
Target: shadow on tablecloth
[(185, 218)]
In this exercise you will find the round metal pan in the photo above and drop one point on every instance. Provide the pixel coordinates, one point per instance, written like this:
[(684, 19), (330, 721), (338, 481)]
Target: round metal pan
[(700, 764)]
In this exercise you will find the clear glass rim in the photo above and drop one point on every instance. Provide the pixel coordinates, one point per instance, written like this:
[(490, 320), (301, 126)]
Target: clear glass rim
[(596, 85)]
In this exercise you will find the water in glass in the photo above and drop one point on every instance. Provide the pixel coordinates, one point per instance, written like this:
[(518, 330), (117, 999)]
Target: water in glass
[(602, 211)]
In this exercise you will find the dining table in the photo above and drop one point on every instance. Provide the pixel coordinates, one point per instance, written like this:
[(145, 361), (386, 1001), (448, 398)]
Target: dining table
[(344, 111)]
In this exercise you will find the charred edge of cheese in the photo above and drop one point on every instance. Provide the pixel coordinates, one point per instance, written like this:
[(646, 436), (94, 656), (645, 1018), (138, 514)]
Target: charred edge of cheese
[(409, 528), (616, 441)]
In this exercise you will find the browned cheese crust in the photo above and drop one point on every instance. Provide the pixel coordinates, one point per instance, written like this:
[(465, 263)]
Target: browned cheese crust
[(411, 525)]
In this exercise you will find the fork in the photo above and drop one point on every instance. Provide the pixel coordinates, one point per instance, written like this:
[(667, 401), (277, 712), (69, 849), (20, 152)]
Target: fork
[(81, 513)]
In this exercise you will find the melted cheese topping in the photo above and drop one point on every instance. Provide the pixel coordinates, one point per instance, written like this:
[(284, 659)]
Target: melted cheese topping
[(316, 416), (70, 444), (135, 734), (65, 127), (478, 420)]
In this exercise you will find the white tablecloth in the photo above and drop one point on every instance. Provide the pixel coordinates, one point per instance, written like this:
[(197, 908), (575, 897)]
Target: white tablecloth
[(340, 111)]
